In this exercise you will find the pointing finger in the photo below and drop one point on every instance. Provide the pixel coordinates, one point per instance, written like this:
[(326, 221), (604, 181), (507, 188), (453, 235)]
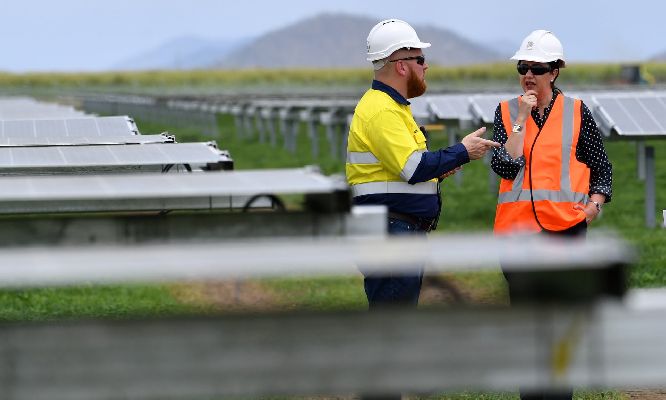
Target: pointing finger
[(479, 132)]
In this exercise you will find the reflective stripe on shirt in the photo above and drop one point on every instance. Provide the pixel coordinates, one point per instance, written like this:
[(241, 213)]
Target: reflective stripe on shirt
[(412, 163), (362, 189), (356, 157)]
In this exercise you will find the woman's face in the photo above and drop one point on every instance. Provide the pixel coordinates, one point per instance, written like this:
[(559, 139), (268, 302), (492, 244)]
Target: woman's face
[(539, 81)]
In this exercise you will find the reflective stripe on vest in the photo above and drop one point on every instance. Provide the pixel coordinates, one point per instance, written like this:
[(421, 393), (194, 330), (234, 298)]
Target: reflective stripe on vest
[(355, 157), (565, 194), (362, 189)]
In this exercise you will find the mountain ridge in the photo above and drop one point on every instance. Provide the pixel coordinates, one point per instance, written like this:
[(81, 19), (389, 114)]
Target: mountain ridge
[(328, 40)]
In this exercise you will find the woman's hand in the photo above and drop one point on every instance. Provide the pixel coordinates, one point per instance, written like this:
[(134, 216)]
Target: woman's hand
[(590, 211), (527, 102)]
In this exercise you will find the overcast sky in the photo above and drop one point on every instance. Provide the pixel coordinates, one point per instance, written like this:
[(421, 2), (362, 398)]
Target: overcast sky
[(90, 35)]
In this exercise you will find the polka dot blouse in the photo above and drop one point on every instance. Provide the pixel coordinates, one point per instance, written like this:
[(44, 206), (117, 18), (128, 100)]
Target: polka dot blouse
[(589, 150)]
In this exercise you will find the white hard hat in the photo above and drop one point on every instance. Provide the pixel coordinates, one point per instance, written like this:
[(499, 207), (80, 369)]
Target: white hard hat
[(540, 46), (389, 36)]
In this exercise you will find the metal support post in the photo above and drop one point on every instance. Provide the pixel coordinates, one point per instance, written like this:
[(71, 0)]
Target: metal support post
[(650, 197), (640, 160)]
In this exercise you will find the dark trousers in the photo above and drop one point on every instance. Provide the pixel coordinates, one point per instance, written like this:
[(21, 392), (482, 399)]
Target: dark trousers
[(395, 289), (579, 230)]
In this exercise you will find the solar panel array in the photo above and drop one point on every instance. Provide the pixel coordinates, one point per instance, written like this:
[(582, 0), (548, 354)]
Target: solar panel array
[(59, 139), (633, 114), (82, 157)]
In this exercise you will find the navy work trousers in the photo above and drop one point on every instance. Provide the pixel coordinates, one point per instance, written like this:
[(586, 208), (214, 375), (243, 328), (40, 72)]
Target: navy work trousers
[(395, 289)]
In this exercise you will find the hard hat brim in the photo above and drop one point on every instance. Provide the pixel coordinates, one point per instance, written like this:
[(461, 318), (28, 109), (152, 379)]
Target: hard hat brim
[(520, 57), (386, 53)]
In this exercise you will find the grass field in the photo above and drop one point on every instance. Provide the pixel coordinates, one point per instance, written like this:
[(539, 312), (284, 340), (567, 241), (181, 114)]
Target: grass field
[(482, 76), (469, 206)]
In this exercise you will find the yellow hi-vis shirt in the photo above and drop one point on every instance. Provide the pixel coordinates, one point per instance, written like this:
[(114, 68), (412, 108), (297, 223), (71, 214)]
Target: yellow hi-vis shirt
[(384, 149)]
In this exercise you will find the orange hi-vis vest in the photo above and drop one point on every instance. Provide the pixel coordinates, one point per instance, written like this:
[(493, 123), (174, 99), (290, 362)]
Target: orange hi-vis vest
[(559, 180)]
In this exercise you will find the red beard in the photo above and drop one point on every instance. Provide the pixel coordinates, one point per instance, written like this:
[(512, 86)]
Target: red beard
[(415, 85)]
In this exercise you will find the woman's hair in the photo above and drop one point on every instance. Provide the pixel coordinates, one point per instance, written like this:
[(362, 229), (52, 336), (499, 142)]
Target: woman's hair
[(555, 65)]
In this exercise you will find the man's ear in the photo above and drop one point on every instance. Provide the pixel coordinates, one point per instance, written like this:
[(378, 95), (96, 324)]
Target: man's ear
[(400, 68)]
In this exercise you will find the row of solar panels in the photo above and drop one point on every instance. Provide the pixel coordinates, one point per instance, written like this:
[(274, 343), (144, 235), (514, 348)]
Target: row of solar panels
[(623, 113), (630, 114), (83, 157), (59, 140)]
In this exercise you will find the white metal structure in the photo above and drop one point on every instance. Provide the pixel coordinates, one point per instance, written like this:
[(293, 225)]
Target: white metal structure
[(31, 141), (12, 108), (69, 127), (132, 192), (301, 256), (107, 158)]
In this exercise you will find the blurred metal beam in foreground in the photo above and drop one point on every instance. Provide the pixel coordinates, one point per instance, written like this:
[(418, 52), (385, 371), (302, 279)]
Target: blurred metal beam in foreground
[(583, 269), (605, 345)]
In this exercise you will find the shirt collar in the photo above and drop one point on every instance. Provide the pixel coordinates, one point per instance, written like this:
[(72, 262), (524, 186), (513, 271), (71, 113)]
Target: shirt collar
[(400, 99), (535, 112)]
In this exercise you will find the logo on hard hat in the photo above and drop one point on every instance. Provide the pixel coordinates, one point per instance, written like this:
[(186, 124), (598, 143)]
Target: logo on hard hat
[(530, 45)]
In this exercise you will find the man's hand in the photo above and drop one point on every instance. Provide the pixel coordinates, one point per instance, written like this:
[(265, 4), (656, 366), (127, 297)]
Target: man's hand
[(476, 145)]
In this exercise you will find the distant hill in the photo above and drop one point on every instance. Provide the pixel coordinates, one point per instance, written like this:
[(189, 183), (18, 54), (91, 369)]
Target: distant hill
[(659, 57), (339, 40), (323, 41), (188, 52)]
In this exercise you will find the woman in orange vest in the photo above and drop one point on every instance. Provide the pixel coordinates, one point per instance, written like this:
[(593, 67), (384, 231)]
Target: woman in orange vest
[(555, 172)]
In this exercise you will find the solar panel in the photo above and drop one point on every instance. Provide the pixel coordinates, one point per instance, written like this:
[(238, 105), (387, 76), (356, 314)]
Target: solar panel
[(99, 126), (58, 193), (64, 158), (483, 107), (420, 109), (633, 115), (586, 97), (450, 107), (26, 108), (19, 141)]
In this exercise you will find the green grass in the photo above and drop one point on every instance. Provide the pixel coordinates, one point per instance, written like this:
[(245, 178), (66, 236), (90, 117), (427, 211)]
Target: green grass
[(290, 80), (128, 301)]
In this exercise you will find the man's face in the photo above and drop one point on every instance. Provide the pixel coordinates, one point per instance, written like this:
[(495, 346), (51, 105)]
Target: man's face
[(416, 84)]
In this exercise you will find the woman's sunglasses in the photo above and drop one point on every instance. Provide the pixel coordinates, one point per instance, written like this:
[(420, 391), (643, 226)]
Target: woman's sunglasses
[(537, 69)]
